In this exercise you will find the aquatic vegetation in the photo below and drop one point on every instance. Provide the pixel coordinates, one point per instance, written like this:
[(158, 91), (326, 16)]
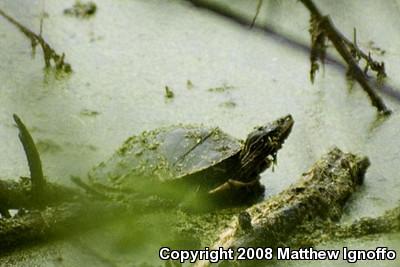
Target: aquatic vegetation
[(168, 92), (228, 104), (189, 84), (221, 89), (81, 10), (132, 110), (89, 112)]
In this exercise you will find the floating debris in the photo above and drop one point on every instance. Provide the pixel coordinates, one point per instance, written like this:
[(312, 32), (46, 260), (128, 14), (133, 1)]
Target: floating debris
[(376, 49), (189, 84), (89, 113), (49, 53), (323, 30), (81, 10), (221, 89), (48, 146), (228, 104), (168, 92)]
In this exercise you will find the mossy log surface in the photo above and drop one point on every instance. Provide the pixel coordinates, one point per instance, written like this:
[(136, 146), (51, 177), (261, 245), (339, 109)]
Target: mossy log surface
[(19, 195), (389, 222), (64, 220), (319, 195)]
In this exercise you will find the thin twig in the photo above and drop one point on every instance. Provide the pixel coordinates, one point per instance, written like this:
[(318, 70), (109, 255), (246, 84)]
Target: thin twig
[(237, 17), (48, 52), (259, 4)]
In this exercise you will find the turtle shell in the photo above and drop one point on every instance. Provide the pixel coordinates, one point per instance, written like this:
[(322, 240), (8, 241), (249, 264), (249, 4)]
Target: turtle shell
[(194, 154)]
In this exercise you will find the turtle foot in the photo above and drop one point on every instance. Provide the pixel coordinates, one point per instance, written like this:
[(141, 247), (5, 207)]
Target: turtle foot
[(236, 192)]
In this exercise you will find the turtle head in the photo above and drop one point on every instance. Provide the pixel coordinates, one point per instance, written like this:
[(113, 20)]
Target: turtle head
[(261, 146)]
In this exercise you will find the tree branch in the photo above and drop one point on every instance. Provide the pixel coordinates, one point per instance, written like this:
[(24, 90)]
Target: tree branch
[(336, 38), (244, 21), (48, 52), (66, 219)]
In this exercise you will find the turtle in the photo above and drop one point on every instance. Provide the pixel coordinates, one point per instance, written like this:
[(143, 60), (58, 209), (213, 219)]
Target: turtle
[(173, 161)]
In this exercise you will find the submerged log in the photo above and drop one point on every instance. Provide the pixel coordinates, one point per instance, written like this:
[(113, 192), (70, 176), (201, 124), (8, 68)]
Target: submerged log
[(67, 219), (389, 222), (19, 195), (320, 194), (309, 235)]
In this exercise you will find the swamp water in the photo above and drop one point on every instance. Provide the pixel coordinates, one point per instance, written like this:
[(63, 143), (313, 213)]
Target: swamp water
[(125, 55)]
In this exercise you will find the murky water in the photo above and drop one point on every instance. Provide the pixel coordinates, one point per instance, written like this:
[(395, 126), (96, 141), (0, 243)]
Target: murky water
[(129, 51)]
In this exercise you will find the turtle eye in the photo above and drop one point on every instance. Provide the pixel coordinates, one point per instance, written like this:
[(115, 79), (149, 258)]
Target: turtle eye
[(271, 134)]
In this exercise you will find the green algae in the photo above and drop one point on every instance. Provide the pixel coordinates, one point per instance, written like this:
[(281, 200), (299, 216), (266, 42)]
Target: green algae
[(221, 89), (82, 10), (168, 92)]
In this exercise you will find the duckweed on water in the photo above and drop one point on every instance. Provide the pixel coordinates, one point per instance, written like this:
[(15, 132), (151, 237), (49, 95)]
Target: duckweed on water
[(81, 10), (189, 84), (89, 113), (168, 92), (228, 104), (221, 89)]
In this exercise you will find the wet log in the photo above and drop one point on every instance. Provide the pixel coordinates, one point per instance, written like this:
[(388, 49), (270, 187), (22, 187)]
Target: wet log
[(33, 192), (19, 195), (67, 219), (319, 195), (389, 222)]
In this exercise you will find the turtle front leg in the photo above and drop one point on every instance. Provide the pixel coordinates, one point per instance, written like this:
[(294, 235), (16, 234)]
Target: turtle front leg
[(238, 191)]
